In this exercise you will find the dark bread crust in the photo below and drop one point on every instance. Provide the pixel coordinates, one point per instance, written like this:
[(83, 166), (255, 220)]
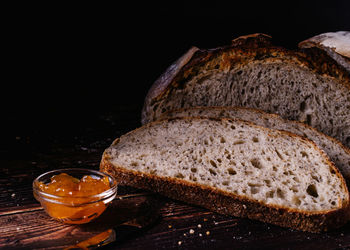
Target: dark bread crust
[(162, 83), (340, 54), (227, 203), (242, 51)]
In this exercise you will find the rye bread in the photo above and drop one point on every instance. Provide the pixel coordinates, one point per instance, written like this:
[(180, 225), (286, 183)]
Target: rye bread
[(303, 85), (192, 160), (336, 151)]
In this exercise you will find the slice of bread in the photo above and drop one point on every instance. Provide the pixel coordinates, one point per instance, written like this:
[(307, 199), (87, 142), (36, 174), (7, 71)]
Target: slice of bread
[(233, 167), (303, 85), (337, 152)]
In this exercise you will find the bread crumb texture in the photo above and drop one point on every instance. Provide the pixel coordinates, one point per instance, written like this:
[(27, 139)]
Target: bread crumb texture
[(265, 165)]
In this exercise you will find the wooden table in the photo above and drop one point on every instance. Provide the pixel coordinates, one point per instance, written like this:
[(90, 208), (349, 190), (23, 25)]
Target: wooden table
[(59, 140)]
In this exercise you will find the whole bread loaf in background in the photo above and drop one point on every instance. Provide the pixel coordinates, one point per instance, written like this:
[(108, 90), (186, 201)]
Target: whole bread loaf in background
[(335, 44), (336, 151), (233, 167), (306, 85)]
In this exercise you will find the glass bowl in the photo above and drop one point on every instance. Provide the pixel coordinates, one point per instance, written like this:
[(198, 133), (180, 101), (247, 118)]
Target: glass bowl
[(74, 209)]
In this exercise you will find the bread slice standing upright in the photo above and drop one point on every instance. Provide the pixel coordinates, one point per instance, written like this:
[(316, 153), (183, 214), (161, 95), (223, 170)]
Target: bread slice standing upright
[(233, 167), (303, 85)]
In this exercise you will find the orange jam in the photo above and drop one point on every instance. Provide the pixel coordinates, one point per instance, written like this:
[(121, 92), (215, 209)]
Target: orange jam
[(76, 203)]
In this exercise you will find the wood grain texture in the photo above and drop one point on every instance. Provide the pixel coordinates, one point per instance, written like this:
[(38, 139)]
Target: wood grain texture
[(180, 225)]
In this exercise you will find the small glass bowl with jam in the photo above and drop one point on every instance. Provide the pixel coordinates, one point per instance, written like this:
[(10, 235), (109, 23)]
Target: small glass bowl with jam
[(75, 195)]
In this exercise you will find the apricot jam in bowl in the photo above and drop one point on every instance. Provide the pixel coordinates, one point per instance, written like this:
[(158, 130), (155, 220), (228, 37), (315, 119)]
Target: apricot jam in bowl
[(75, 195)]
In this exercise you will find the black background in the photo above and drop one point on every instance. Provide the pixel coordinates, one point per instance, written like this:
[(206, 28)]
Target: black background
[(63, 63)]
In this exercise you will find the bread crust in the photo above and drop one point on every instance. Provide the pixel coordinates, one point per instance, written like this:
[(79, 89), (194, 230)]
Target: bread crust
[(340, 42), (242, 51), (227, 203), (341, 54)]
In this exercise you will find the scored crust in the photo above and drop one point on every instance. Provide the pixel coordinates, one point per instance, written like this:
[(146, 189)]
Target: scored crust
[(227, 203)]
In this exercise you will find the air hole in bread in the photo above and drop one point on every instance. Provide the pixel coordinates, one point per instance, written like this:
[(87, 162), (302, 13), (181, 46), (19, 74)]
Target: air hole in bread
[(238, 142), (225, 183), (296, 200), (315, 178), (280, 193), (219, 160), (213, 163), (255, 139), (256, 163), (134, 164), (331, 121), (270, 194), (254, 190), (278, 154), (311, 190), (211, 138), (193, 170), (295, 189), (222, 140), (308, 119), (274, 168), (304, 154), (333, 203), (179, 175), (268, 183), (302, 106), (296, 179), (231, 171), (331, 170), (212, 171), (268, 158), (233, 127)]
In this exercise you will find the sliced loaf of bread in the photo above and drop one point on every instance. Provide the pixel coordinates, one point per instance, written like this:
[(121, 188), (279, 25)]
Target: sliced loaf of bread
[(304, 85), (233, 167), (335, 44), (337, 152)]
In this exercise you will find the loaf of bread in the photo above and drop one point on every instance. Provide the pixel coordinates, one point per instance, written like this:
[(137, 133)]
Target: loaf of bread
[(337, 152), (303, 85), (335, 44), (233, 167)]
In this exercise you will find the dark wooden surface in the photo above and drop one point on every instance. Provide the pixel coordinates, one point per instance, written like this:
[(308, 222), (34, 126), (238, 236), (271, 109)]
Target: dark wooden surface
[(37, 149)]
